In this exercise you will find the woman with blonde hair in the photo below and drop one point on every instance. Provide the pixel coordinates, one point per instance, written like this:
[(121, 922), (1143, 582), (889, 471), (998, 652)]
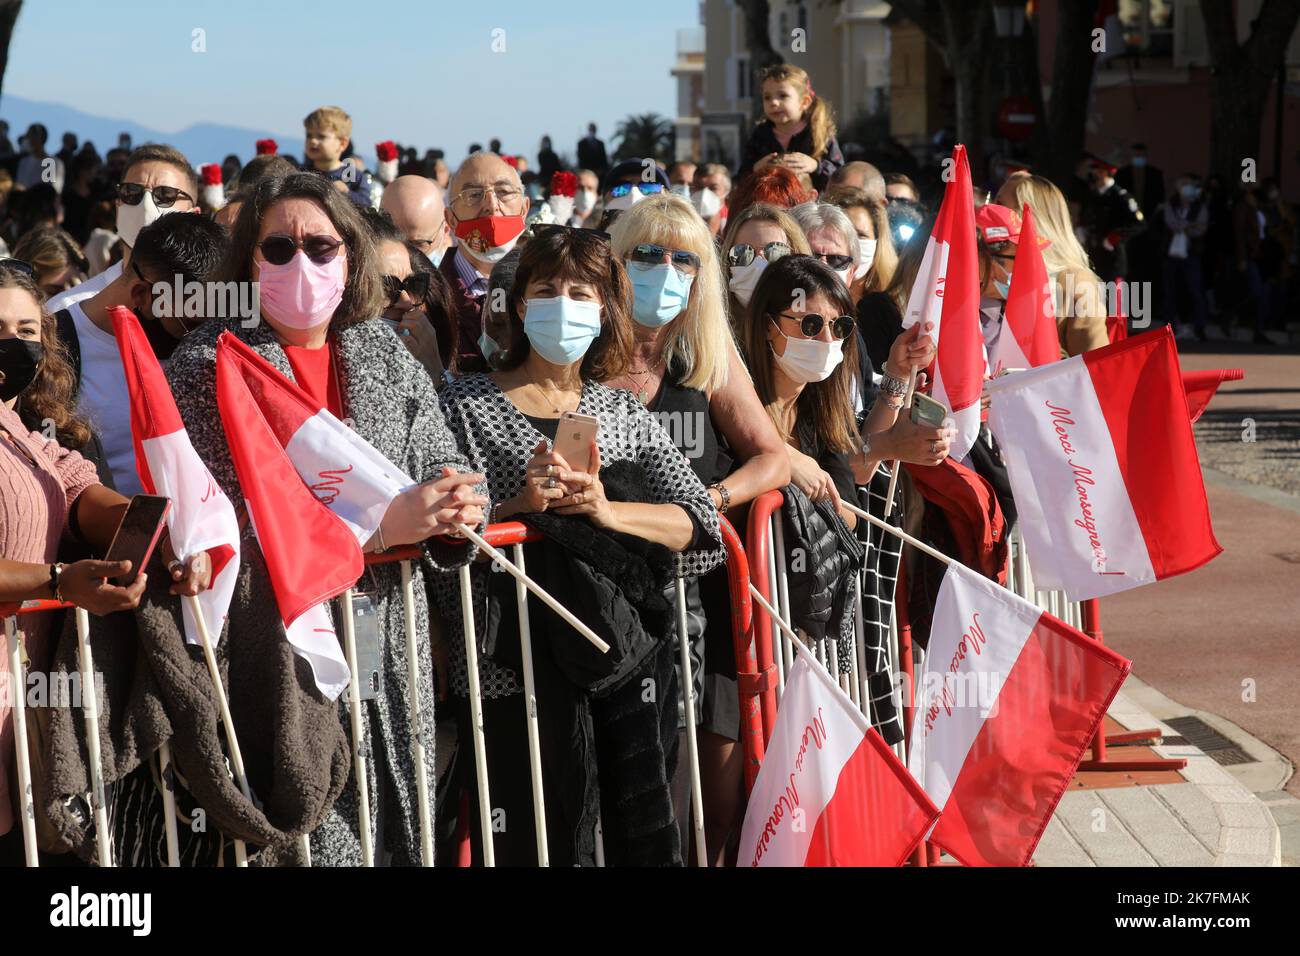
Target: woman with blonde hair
[(1079, 294), (756, 238), (877, 257), (685, 367), (798, 131)]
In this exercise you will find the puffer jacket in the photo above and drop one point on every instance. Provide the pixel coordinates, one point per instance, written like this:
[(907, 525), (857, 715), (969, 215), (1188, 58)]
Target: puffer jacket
[(822, 559)]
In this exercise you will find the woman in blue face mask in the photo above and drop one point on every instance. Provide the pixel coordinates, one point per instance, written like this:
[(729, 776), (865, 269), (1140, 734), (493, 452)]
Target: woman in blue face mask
[(569, 331), (686, 370)]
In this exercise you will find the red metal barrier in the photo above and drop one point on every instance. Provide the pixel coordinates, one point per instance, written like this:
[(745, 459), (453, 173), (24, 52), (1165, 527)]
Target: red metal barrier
[(750, 681), (760, 512)]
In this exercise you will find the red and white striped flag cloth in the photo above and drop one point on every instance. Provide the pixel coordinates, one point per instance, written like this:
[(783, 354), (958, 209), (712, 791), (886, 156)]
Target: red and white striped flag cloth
[(311, 555), (1028, 337), (947, 293), (830, 791), (201, 516), (1008, 699), (1201, 386), (341, 468), (1104, 468)]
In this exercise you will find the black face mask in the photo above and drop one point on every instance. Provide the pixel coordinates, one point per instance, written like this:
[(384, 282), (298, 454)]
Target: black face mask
[(20, 359), (161, 341)]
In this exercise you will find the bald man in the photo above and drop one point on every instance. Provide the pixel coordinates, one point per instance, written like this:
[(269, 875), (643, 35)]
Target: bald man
[(862, 176), (415, 203), (485, 210)]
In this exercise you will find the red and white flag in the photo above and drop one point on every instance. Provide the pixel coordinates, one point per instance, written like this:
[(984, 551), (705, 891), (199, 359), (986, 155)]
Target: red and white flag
[(311, 555), (341, 468), (830, 791), (201, 516), (1028, 337), (1104, 468), (947, 293), (1008, 699), (1201, 386)]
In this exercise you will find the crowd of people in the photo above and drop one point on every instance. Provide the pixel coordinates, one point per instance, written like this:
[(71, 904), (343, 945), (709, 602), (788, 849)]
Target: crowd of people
[(734, 332)]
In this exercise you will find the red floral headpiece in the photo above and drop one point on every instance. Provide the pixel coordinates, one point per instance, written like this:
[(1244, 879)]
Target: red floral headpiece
[(564, 184), (267, 147), (387, 150)]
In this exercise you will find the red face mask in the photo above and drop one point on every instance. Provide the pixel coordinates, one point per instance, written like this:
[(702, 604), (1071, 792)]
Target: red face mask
[(490, 237)]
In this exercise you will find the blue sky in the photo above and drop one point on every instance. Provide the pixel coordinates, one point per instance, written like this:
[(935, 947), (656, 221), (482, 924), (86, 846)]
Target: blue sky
[(419, 72)]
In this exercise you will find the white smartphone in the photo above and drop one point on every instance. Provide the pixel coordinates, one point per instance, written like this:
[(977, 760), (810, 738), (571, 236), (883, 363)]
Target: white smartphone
[(574, 437)]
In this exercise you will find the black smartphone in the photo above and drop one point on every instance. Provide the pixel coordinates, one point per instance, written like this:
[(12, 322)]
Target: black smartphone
[(138, 535)]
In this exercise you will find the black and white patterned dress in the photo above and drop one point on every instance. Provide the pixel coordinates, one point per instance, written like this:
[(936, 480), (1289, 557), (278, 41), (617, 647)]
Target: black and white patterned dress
[(498, 441)]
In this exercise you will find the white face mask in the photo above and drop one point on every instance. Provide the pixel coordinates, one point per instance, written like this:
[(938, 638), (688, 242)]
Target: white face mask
[(681, 189), (584, 201), (706, 203), (131, 219), (809, 360), (743, 279), (625, 202), (867, 249), (846, 276)]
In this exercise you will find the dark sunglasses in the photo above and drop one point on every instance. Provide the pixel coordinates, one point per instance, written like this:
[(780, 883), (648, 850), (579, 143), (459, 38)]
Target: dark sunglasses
[(835, 262), (623, 189), (647, 255), (743, 254), (416, 284), (577, 232), (17, 265), (131, 194), (811, 324), (279, 249)]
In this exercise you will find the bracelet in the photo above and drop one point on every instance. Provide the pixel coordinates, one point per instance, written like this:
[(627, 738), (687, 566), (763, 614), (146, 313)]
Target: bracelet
[(895, 387), (724, 494), (56, 571)]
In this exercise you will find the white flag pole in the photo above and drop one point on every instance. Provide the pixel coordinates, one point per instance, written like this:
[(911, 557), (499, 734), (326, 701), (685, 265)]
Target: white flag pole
[(236, 756), (533, 586), (167, 778), (476, 714), (692, 747), (90, 709), (417, 717), (354, 711), (530, 712), (899, 532), (26, 805)]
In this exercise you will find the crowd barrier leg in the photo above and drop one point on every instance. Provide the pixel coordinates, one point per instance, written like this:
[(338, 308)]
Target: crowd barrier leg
[(692, 745), (530, 712), (750, 683), (18, 683), (358, 754), (167, 776), (858, 663), (90, 709), (783, 593), (417, 718), (476, 715)]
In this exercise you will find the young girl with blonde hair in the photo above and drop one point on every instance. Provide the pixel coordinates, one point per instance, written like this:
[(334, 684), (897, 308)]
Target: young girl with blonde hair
[(798, 131)]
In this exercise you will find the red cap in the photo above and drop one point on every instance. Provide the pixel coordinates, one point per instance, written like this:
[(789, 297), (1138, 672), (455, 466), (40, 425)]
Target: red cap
[(999, 224)]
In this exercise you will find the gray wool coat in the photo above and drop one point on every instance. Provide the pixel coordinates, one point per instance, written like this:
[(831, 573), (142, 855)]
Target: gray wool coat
[(390, 401)]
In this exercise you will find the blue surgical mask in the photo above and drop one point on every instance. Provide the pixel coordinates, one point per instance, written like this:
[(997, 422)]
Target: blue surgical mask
[(659, 294), (1004, 288), (436, 256), (1190, 192), (560, 328)]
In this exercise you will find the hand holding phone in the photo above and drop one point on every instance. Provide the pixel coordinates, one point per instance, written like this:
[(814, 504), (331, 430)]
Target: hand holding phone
[(928, 411), (574, 438), (138, 535)]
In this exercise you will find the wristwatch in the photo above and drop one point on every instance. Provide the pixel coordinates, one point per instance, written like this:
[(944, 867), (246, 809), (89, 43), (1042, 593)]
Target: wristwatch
[(56, 572)]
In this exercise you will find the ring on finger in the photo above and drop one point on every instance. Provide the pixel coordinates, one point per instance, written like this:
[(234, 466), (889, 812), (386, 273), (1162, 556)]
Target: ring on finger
[(550, 482)]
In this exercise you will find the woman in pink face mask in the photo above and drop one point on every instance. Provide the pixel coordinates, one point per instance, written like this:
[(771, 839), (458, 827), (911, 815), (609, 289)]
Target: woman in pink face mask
[(320, 291)]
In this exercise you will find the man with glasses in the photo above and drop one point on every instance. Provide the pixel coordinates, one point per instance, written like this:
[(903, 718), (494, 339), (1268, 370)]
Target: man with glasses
[(485, 211), (157, 180), (184, 249), (416, 205)]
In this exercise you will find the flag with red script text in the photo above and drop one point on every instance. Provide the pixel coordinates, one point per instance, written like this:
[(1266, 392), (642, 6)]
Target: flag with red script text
[(201, 517), (1008, 699), (830, 791), (947, 293), (1104, 468), (311, 554), (1028, 337)]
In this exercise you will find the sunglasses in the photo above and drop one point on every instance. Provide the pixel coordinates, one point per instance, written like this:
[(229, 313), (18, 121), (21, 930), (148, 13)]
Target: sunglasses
[(811, 324), (416, 284), (279, 249), (132, 194), (17, 265), (835, 262), (743, 254), (647, 255), (624, 189), (554, 228)]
